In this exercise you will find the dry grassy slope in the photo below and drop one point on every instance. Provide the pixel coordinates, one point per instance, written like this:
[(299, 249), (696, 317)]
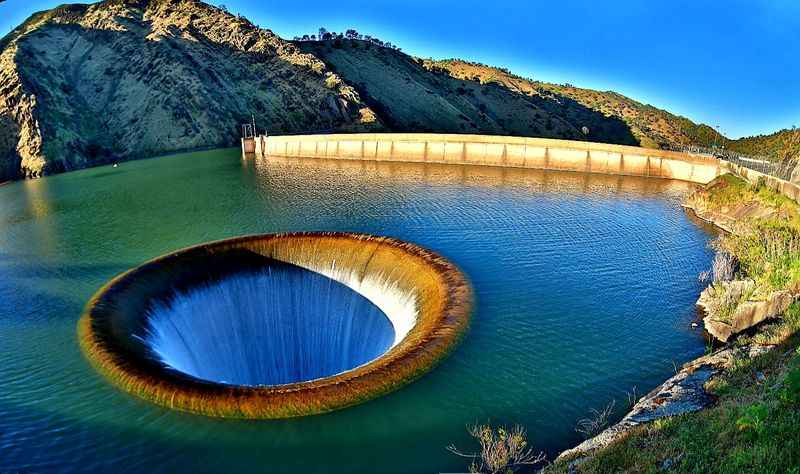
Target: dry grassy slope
[(652, 127), (409, 94), (782, 145), (81, 85), (86, 84)]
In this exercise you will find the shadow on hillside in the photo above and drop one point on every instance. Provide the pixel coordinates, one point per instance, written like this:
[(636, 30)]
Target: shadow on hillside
[(484, 108), (110, 95), (125, 96)]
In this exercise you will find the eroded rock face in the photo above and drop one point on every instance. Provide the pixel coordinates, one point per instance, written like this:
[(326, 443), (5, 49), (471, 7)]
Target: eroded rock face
[(87, 84), (20, 135), (747, 315), (723, 293), (727, 314), (728, 305)]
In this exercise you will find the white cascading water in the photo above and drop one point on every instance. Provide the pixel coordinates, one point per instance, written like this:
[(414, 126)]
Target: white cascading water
[(283, 325)]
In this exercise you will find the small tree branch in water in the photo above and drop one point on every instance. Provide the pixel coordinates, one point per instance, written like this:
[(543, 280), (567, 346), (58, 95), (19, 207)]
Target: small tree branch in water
[(593, 425), (502, 450)]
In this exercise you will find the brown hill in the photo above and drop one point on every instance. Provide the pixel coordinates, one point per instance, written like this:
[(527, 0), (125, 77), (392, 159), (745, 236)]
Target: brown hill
[(650, 126), (85, 84), (783, 145), (88, 84), (411, 94)]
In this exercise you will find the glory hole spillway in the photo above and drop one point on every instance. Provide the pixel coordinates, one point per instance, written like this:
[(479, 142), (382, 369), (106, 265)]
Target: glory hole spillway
[(277, 326), (584, 287)]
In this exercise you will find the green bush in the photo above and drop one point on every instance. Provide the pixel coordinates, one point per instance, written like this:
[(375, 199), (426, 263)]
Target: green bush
[(791, 388), (768, 252), (753, 421)]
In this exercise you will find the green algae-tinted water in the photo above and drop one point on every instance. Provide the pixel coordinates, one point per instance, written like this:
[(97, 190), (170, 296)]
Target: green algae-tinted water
[(585, 288)]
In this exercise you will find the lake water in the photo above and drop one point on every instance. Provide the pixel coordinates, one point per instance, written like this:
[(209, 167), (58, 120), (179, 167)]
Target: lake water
[(585, 288)]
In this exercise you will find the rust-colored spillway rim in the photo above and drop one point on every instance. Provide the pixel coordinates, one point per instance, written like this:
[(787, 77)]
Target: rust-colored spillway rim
[(444, 302)]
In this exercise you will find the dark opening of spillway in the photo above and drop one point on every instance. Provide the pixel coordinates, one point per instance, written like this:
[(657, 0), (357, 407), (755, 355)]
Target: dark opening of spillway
[(276, 326), (280, 325)]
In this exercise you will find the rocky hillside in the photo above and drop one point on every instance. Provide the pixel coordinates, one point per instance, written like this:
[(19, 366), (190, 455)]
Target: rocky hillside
[(783, 145), (411, 94), (88, 84), (650, 127)]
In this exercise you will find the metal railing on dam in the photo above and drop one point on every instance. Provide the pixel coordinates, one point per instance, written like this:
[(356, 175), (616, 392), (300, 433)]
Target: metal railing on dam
[(773, 174), (772, 166), (518, 152)]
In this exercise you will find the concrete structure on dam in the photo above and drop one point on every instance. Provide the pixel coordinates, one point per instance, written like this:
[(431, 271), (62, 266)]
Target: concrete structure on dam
[(517, 152), (787, 188)]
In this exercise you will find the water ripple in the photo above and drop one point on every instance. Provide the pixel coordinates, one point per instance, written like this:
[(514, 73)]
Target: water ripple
[(584, 288)]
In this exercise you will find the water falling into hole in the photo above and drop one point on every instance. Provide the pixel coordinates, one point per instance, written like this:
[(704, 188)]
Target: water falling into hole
[(219, 329), (278, 326)]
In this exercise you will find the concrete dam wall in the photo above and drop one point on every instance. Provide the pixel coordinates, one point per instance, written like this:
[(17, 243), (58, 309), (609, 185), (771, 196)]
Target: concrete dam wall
[(535, 153), (787, 188)]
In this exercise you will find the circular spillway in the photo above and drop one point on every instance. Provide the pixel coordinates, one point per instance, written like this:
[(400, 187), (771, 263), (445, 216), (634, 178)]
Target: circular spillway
[(277, 326), (281, 325)]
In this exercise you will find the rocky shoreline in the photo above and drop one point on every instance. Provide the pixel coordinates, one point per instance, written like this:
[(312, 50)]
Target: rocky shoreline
[(686, 392), (683, 393)]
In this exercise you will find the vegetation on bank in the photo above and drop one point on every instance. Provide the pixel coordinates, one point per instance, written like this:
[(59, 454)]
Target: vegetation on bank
[(753, 425), (762, 253), (752, 428)]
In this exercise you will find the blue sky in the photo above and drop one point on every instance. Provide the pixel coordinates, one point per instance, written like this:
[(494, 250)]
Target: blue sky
[(732, 63)]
